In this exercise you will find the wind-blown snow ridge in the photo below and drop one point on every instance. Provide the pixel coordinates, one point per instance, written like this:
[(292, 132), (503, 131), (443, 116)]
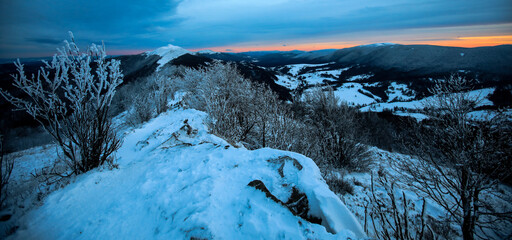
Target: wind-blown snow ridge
[(177, 181), (167, 54)]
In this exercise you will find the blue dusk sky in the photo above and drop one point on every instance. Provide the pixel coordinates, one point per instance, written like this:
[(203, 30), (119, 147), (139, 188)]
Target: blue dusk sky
[(35, 28)]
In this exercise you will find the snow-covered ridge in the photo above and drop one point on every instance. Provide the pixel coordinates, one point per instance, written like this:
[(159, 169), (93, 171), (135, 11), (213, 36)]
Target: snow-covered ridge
[(167, 54), (378, 45), (177, 181), (206, 51)]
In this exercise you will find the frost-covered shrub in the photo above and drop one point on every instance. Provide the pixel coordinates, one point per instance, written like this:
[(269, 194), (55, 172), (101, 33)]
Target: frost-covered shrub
[(147, 97), (163, 89), (142, 108), (224, 94), (251, 113), (239, 110), (335, 133), (70, 98)]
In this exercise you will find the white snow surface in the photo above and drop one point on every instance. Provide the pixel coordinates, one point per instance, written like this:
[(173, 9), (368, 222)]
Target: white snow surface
[(287, 81), (291, 79), (295, 68), (481, 95), (350, 93), (399, 92), (359, 77), (167, 54), (174, 185)]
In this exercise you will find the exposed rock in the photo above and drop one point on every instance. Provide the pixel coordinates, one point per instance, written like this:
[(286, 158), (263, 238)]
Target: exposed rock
[(297, 203)]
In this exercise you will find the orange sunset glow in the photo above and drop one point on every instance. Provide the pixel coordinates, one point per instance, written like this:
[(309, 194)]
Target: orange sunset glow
[(467, 42)]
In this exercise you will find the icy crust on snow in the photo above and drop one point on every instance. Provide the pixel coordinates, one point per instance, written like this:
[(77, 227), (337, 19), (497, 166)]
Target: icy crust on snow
[(167, 54), (176, 181)]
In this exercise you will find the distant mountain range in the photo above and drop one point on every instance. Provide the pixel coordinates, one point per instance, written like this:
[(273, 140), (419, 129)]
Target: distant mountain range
[(408, 58), (372, 73)]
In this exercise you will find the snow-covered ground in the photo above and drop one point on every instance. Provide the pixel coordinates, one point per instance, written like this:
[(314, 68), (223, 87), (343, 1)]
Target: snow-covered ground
[(296, 68), (359, 77), (287, 81), (399, 92), (360, 199), (481, 95), (385, 165), (176, 181), (351, 94)]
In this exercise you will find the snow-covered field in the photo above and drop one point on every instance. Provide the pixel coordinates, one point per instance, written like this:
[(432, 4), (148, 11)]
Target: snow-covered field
[(359, 77), (291, 80), (400, 98), (481, 95), (399, 92), (296, 68), (351, 94), (176, 181), (287, 81)]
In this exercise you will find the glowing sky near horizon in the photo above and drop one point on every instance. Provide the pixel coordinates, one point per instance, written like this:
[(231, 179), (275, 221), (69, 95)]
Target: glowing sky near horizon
[(33, 28)]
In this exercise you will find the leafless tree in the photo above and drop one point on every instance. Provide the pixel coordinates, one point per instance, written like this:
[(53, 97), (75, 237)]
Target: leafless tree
[(6, 166), (392, 215), (70, 98), (461, 160)]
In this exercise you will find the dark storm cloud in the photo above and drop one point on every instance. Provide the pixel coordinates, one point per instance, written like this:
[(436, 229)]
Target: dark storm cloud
[(32, 26), (25, 25)]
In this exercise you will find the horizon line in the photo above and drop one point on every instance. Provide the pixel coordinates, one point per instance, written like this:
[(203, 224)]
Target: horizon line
[(299, 47)]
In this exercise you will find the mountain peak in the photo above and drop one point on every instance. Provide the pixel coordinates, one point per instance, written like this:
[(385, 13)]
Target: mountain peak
[(378, 45), (167, 54), (206, 51)]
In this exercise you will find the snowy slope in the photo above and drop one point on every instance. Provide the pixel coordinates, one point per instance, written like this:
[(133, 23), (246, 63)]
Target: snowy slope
[(167, 54), (179, 182)]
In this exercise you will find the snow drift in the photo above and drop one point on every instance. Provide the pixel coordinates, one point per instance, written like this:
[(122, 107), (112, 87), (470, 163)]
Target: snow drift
[(176, 181)]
